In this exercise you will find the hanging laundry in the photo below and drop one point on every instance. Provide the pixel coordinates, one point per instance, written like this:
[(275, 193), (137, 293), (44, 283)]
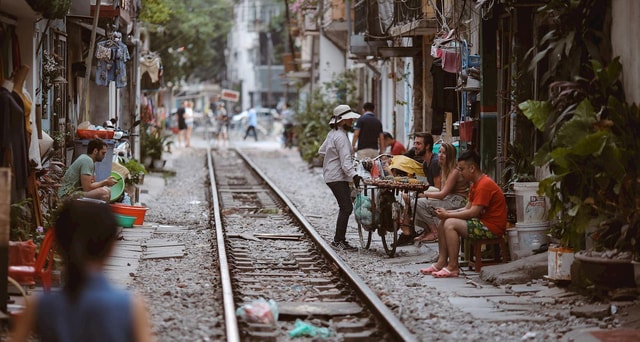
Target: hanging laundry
[(13, 142), (112, 54), (150, 63), (451, 61), (444, 39)]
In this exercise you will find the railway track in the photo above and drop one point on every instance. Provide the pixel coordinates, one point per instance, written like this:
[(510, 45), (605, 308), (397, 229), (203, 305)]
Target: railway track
[(269, 251)]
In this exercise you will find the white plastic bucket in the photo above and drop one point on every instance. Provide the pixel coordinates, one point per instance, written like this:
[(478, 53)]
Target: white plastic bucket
[(532, 235), (530, 207), (559, 263), (514, 242)]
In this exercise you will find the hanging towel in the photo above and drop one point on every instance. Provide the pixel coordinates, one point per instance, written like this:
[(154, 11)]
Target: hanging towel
[(451, 60)]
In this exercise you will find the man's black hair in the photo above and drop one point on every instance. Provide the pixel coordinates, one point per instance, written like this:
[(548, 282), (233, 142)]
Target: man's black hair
[(470, 156), (368, 106), (96, 143)]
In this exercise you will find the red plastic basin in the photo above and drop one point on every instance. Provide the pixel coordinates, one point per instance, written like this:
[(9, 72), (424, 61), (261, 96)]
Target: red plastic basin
[(90, 134), (130, 210)]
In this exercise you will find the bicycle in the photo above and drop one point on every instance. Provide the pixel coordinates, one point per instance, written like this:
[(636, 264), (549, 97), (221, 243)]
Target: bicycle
[(382, 211)]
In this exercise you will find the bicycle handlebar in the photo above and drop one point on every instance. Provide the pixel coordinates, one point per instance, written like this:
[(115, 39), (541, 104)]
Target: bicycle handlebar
[(375, 158)]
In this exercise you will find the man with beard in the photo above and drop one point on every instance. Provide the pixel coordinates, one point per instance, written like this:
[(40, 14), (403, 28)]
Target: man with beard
[(422, 151), (80, 176)]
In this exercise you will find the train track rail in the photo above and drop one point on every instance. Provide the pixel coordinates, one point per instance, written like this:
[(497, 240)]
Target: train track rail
[(269, 251)]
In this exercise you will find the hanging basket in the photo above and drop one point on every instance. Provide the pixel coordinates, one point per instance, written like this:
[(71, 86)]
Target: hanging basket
[(51, 9)]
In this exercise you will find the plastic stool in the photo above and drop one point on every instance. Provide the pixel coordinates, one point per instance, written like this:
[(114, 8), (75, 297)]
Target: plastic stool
[(475, 259)]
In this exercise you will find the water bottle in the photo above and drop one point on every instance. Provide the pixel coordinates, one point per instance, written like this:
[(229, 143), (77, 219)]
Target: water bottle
[(126, 199)]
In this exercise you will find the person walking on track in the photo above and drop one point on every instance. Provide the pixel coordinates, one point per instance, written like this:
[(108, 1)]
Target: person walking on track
[(338, 170), (252, 124)]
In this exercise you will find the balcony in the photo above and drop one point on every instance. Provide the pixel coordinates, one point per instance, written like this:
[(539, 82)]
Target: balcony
[(334, 22), (383, 19), (415, 17), (309, 21), (123, 9)]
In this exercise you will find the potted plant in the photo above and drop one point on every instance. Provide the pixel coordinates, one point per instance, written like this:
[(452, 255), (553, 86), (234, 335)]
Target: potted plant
[(136, 171), (152, 144), (592, 149)]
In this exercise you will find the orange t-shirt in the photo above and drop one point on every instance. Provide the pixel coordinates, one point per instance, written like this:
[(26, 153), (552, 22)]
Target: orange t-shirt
[(485, 192)]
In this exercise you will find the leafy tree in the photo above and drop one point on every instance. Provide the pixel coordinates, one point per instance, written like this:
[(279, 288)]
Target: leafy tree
[(190, 36), (313, 118)]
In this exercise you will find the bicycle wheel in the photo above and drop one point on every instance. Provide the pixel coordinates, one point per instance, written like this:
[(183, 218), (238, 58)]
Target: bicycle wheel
[(389, 235), (365, 236)]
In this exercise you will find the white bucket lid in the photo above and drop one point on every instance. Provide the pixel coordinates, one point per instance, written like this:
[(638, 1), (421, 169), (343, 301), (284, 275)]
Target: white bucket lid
[(522, 225)]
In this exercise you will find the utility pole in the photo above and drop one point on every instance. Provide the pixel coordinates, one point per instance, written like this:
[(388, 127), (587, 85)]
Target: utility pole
[(269, 48)]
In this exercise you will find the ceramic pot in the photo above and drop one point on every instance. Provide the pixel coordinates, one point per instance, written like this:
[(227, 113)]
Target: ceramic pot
[(606, 273), (159, 163)]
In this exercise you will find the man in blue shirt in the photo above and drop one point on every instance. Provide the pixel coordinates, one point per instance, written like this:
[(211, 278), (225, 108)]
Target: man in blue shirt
[(368, 138), (252, 124)]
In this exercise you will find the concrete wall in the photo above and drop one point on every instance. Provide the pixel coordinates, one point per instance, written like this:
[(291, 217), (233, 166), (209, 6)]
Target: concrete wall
[(331, 61), (241, 51), (625, 40)]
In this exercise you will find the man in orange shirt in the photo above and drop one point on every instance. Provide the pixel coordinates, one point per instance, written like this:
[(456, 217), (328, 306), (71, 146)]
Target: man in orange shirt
[(395, 147), (484, 217)]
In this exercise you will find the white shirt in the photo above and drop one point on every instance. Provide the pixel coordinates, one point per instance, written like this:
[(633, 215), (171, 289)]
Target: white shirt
[(338, 153)]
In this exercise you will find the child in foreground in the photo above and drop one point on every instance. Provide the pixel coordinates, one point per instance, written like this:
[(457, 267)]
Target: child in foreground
[(89, 307)]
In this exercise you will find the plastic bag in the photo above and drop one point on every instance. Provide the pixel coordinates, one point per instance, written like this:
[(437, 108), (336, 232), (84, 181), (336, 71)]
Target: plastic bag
[(305, 329), (363, 209), (259, 311)]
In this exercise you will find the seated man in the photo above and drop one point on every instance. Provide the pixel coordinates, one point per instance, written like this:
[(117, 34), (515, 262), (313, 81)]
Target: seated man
[(395, 147), (484, 217), (80, 176)]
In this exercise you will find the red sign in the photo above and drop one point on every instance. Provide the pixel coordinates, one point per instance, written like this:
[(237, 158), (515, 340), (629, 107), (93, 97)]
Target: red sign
[(230, 95)]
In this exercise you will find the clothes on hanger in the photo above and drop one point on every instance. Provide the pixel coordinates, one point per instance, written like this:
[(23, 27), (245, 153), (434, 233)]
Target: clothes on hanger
[(150, 63), (10, 58), (112, 54), (444, 97), (13, 142), (18, 84), (451, 60)]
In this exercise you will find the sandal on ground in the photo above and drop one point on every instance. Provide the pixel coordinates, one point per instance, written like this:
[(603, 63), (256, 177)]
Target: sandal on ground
[(445, 273), (422, 235), (429, 270), (427, 237)]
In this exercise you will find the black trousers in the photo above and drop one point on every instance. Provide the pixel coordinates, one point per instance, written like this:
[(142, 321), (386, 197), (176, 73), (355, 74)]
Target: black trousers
[(342, 192), (251, 129)]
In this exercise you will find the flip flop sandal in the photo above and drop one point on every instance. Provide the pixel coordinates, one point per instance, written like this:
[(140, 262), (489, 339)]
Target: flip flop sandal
[(429, 270), (429, 237), (445, 273), (421, 236)]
